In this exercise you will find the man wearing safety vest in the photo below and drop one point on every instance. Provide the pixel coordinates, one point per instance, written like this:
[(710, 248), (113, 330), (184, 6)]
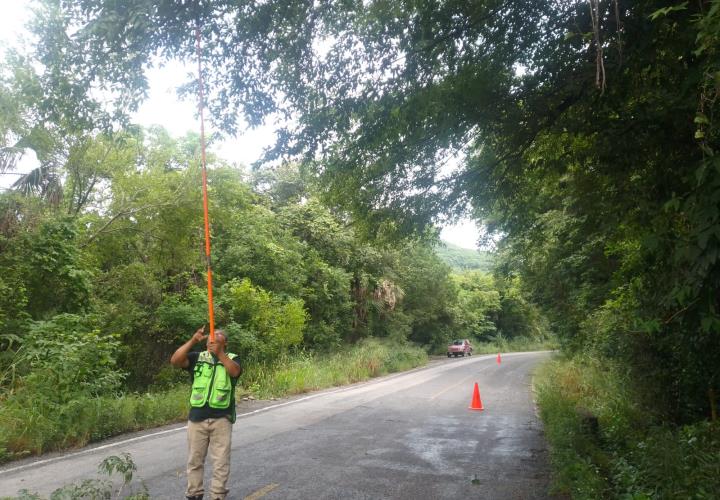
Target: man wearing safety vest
[(214, 374)]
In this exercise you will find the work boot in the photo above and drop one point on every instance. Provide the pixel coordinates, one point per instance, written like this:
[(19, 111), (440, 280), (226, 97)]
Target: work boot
[(196, 497)]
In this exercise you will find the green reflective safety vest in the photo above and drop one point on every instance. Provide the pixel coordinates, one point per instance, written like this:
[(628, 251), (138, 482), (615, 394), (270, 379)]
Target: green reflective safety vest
[(211, 383)]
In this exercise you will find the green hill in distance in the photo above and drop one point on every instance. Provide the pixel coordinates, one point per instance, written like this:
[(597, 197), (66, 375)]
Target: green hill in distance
[(464, 259)]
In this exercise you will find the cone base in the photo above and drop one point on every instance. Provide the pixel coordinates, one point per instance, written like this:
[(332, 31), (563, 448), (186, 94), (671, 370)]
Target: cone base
[(475, 409)]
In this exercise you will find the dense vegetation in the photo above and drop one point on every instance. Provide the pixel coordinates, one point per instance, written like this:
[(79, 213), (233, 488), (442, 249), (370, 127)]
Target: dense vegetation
[(606, 445), (103, 277), (588, 129), (102, 293), (464, 259), (589, 138)]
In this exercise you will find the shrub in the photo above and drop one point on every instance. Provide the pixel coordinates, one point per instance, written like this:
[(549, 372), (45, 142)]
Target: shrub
[(179, 314), (67, 356), (267, 323), (633, 456), (112, 466)]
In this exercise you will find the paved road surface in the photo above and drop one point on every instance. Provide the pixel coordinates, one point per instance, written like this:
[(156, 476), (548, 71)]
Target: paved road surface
[(406, 436)]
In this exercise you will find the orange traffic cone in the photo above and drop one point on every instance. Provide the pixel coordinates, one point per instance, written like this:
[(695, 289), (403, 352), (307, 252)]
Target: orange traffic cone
[(476, 401), (499, 360)]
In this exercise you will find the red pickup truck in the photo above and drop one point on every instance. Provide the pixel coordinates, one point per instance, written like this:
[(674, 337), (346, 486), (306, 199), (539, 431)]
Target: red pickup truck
[(459, 348)]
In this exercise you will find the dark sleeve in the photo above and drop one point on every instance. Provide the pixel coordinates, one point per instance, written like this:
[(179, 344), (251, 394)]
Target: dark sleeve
[(192, 360), (235, 360)]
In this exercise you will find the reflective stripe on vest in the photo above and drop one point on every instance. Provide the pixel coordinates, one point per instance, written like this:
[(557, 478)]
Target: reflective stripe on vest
[(211, 383)]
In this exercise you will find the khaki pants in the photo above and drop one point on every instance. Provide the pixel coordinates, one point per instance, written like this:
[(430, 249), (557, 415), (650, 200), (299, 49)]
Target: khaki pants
[(213, 435)]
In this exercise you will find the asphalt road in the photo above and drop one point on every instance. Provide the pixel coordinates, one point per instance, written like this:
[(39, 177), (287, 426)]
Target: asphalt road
[(405, 436)]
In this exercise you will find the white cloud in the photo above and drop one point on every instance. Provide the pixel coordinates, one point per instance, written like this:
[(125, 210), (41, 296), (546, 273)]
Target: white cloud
[(465, 233)]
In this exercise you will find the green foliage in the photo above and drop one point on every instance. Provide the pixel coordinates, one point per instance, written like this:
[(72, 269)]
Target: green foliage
[(304, 372), (327, 299), (269, 324), (58, 281), (65, 357), (601, 178), (256, 246), (330, 259), (519, 317), (572, 451), (122, 465), (429, 295), (28, 428), (464, 259), (285, 185), (610, 222), (634, 455), (102, 243), (98, 489), (179, 314), (291, 276), (493, 308), (500, 344), (45, 269), (427, 84), (478, 304), (590, 150)]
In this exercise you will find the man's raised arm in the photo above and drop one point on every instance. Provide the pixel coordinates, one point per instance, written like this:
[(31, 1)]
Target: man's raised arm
[(180, 357)]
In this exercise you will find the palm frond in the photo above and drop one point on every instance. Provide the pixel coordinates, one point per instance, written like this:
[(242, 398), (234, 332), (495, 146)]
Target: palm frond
[(33, 182), (9, 156), (41, 181)]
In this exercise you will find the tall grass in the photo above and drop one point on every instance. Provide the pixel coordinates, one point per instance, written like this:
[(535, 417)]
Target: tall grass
[(31, 425), (307, 372), (631, 456), (517, 344)]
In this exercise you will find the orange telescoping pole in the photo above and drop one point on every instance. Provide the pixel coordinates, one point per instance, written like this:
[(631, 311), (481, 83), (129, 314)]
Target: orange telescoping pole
[(211, 313)]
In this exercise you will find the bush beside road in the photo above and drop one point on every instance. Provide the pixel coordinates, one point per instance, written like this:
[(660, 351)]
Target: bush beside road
[(605, 443)]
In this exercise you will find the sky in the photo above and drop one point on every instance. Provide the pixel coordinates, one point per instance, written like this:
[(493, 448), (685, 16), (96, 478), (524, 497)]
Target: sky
[(164, 108)]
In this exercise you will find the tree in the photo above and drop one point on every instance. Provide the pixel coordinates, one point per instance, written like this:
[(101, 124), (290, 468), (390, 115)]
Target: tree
[(429, 293), (266, 324), (589, 132), (432, 76), (478, 305)]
